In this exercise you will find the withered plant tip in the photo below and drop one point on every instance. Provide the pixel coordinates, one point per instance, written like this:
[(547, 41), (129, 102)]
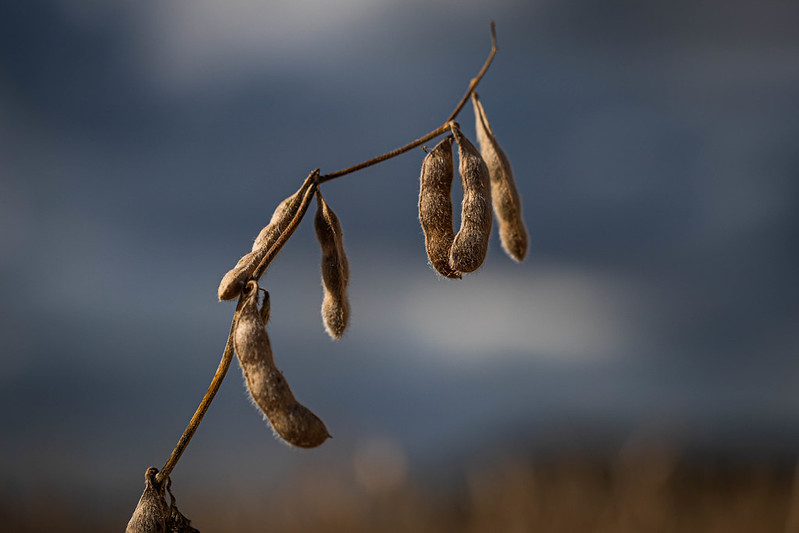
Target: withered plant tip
[(450, 254)]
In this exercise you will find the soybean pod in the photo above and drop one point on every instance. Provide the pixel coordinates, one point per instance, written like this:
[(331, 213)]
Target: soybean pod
[(291, 421)]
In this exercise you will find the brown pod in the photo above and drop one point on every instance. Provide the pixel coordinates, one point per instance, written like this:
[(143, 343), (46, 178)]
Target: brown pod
[(471, 243), (151, 513), (435, 206), (505, 196), (281, 217), (233, 282), (291, 421), (335, 269)]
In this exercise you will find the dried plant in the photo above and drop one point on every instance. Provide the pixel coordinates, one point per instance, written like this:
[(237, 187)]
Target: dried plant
[(483, 174), (435, 207), (335, 269), (292, 421), (507, 204), (471, 243)]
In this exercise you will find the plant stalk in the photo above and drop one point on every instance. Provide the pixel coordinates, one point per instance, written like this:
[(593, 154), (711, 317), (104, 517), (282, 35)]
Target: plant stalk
[(227, 355)]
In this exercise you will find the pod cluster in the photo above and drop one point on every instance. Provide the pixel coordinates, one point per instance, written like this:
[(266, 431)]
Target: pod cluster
[(488, 192), (488, 185)]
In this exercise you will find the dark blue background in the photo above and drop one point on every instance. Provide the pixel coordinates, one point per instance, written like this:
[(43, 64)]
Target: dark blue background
[(144, 144)]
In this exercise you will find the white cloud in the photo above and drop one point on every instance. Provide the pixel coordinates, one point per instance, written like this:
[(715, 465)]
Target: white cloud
[(185, 41), (552, 312)]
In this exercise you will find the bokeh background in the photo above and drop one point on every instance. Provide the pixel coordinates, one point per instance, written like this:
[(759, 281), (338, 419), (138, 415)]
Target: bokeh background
[(144, 144)]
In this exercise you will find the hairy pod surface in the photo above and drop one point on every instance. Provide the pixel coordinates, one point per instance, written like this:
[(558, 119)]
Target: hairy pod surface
[(151, 513), (335, 269), (471, 242), (291, 421), (435, 206), (281, 217), (505, 196), (233, 282)]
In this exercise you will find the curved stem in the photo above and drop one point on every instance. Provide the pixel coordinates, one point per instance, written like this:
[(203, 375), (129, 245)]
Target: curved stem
[(435, 133), (476, 79), (213, 388), (315, 180)]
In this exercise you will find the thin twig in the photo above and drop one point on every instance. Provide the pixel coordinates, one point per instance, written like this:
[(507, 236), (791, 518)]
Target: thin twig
[(388, 155), (315, 180), (435, 133), (213, 388), (476, 79)]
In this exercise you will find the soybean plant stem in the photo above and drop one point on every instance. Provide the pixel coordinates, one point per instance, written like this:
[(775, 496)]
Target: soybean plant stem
[(216, 382), (310, 186), (435, 133)]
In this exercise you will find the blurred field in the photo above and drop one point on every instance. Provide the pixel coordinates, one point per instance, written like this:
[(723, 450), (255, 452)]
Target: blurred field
[(640, 490)]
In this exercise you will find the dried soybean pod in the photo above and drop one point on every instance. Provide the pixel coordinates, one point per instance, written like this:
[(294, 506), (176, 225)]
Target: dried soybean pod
[(282, 215), (335, 269), (471, 243), (504, 195), (435, 206), (233, 282), (291, 421), (150, 515)]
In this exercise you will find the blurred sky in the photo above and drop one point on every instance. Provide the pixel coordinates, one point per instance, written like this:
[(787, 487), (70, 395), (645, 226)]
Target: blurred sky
[(143, 144)]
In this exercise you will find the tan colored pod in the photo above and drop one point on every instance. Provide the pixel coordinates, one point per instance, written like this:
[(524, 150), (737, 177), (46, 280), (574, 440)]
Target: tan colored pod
[(233, 282), (281, 217), (291, 421), (335, 269), (471, 242), (435, 206), (151, 513), (505, 196)]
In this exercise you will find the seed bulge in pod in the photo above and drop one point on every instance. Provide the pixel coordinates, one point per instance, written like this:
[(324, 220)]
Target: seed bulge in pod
[(471, 242), (281, 217), (233, 282), (435, 206), (291, 421), (505, 196)]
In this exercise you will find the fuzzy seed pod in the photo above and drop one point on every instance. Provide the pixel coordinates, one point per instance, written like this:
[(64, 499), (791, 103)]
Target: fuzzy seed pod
[(281, 217), (151, 513), (231, 285), (335, 269), (435, 206), (233, 282), (471, 243), (290, 420), (505, 197)]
